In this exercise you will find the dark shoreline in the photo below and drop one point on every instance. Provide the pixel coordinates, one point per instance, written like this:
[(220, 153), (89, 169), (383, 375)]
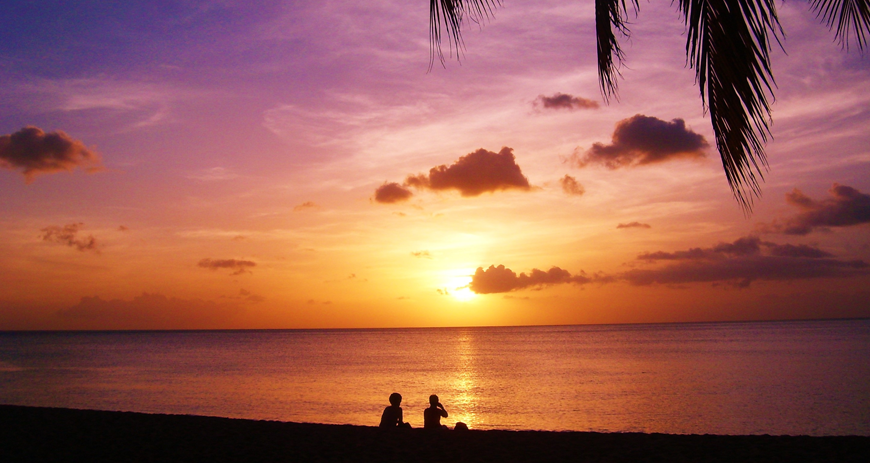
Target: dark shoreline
[(34, 434)]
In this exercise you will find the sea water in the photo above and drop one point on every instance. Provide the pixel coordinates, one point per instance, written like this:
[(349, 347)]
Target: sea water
[(797, 377)]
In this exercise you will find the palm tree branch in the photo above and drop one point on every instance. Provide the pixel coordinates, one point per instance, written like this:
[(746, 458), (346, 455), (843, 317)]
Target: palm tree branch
[(728, 45), (447, 16), (611, 16), (849, 16)]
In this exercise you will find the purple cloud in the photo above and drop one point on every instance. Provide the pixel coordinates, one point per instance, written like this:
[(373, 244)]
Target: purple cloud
[(641, 140), (35, 152)]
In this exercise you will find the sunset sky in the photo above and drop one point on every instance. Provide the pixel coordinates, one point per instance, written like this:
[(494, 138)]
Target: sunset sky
[(268, 164)]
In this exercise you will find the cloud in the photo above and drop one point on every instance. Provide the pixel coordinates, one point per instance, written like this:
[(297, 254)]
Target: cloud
[(213, 174), (68, 235), (36, 152), (571, 186), (741, 262), (422, 254), (304, 206), (502, 279), (737, 264), (123, 228), (641, 140), (634, 225), (239, 266), (392, 192), (249, 296), (564, 101), (148, 311), (475, 173), (846, 207)]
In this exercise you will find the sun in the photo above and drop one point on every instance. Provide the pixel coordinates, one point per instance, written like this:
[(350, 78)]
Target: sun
[(457, 286)]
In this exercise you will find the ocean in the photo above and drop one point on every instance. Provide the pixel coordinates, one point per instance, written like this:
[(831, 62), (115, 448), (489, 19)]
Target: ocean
[(781, 378)]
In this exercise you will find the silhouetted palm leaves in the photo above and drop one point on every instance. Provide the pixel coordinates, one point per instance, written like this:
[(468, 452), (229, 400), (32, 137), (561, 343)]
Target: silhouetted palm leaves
[(728, 45)]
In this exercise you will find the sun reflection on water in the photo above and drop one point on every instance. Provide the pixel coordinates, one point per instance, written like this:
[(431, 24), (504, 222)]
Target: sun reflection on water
[(464, 398)]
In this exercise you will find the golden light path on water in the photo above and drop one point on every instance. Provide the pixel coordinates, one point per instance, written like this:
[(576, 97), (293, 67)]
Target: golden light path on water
[(464, 385)]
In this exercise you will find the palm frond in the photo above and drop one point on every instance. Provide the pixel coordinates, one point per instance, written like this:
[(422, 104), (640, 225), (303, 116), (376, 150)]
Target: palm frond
[(449, 15), (611, 16), (850, 17), (728, 45)]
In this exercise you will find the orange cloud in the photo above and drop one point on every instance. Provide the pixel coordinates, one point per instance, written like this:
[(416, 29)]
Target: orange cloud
[(475, 173), (571, 186), (634, 225), (239, 266), (564, 101), (36, 152), (641, 140), (392, 192), (68, 235), (304, 206), (502, 279)]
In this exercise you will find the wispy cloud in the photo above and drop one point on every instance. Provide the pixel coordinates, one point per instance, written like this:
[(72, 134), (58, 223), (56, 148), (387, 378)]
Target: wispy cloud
[(570, 186), (305, 206), (238, 266), (634, 225), (69, 235), (213, 174)]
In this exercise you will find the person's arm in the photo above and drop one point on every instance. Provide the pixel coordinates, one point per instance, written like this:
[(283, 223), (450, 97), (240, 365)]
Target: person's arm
[(400, 417), (443, 412)]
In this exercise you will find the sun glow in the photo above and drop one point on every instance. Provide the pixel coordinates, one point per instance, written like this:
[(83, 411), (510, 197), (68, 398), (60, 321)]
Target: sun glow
[(457, 287)]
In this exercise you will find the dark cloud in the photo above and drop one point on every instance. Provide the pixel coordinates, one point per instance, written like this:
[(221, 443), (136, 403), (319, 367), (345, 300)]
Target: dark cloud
[(738, 264), (422, 254), (249, 296), (35, 152), (475, 173), (571, 186), (238, 266), (68, 235), (123, 228), (641, 140), (148, 311), (634, 225), (502, 279), (564, 101), (392, 192), (743, 261), (846, 207), (304, 206)]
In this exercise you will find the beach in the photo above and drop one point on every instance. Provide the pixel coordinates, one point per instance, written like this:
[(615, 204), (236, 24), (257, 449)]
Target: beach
[(35, 434)]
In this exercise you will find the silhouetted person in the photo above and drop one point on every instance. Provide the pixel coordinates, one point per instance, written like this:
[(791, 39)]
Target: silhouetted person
[(432, 415), (392, 416)]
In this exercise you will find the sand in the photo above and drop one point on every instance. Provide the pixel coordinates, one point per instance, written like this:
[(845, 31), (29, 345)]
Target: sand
[(32, 434)]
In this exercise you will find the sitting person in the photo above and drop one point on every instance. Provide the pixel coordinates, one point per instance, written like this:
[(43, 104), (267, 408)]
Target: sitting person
[(392, 416), (432, 415)]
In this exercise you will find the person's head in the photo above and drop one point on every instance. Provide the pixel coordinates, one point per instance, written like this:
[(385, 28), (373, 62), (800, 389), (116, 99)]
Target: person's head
[(433, 400), (395, 399)]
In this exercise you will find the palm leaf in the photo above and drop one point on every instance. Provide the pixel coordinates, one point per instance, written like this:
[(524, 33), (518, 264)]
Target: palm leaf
[(848, 15), (610, 16), (728, 45), (447, 16)]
